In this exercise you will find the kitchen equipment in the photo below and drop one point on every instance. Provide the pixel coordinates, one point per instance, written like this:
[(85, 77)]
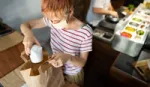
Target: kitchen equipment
[(102, 34), (104, 30), (123, 11), (131, 33), (4, 30), (36, 54), (111, 19)]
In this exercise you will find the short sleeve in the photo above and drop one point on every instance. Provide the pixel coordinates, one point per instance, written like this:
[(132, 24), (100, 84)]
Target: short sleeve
[(98, 3), (86, 45), (46, 21)]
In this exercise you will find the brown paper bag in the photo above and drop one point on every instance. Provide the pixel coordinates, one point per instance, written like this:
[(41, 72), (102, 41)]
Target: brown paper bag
[(41, 74), (13, 79)]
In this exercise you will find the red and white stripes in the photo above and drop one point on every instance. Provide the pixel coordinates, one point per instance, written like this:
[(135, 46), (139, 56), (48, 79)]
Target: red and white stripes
[(70, 41)]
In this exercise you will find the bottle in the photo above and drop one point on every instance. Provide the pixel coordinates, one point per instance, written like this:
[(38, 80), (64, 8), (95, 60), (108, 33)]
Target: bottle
[(36, 54)]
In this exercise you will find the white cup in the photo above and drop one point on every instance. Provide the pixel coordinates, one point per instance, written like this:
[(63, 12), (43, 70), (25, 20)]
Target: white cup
[(36, 54)]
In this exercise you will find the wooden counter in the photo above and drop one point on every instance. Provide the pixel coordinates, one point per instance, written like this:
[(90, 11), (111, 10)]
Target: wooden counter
[(10, 57)]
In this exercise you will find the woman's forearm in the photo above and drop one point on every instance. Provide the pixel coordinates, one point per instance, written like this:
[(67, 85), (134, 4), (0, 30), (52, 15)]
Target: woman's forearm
[(32, 24), (101, 11), (105, 12), (77, 61), (26, 29)]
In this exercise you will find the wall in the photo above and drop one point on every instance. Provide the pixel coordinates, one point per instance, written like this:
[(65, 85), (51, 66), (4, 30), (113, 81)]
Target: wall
[(15, 12), (81, 8)]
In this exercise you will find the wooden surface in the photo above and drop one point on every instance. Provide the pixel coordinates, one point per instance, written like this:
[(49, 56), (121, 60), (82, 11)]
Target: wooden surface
[(10, 59), (9, 81), (10, 40)]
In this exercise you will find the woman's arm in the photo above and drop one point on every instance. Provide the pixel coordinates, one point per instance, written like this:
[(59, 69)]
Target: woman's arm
[(75, 60), (29, 38), (33, 24), (105, 12), (79, 60)]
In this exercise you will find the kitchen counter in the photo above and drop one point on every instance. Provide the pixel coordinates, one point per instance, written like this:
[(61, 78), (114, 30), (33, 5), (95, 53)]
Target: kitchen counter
[(10, 49), (10, 62), (124, 71)]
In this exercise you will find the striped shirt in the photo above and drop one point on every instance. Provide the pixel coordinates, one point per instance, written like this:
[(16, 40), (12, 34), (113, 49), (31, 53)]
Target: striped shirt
[(71, 42)]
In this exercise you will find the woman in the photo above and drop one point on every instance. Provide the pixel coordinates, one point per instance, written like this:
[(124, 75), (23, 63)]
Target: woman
[(71, 39), (97, 10)]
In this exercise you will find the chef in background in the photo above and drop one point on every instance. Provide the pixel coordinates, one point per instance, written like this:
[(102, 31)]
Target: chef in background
[(97, 11)]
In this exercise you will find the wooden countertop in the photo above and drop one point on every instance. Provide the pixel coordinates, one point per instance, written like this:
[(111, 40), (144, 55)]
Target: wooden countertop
[(10, 49), (10, 40)]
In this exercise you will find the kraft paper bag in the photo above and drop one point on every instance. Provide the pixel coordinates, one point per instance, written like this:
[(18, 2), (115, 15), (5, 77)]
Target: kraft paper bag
[(41, 74)]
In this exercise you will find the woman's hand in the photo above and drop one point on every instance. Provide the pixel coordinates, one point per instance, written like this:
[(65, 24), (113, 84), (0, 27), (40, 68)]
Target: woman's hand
[(29, 38), (59, 59), (28, 42), (114, 13)]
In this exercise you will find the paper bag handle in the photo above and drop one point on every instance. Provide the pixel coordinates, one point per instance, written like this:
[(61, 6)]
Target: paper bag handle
[(24, 58)]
